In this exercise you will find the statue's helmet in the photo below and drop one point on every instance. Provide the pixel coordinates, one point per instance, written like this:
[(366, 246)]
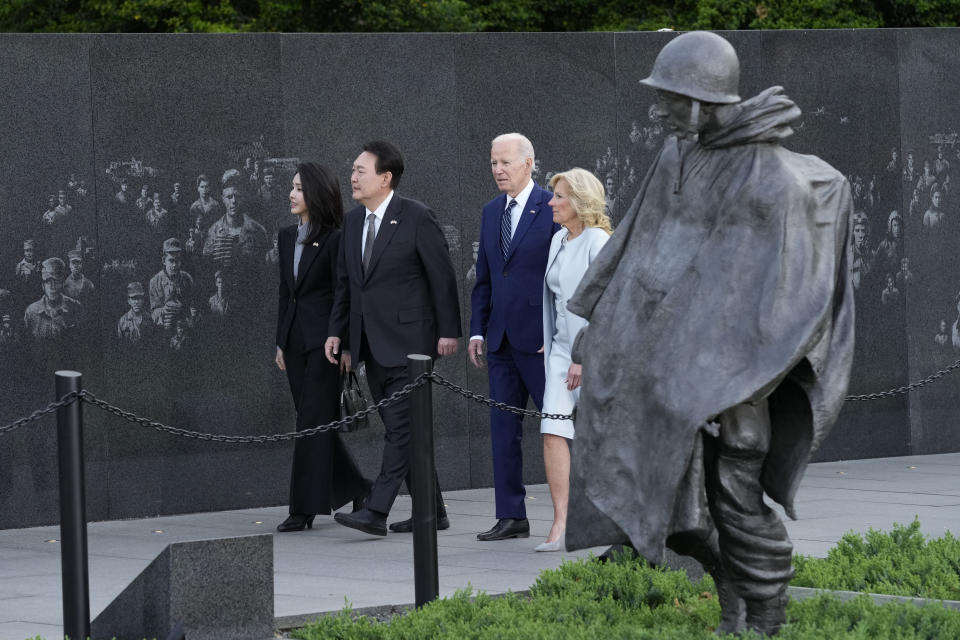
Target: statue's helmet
[(700, 65)]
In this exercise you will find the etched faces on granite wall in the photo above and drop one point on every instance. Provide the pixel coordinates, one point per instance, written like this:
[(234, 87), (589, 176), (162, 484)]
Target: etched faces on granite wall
[(199, 260)]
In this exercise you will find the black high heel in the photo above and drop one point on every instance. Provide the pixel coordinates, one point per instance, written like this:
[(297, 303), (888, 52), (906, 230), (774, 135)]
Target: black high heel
[(296, 522)]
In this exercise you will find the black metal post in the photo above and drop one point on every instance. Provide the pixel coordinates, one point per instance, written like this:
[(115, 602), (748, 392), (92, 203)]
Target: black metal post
[(426, 578), (73, 511)]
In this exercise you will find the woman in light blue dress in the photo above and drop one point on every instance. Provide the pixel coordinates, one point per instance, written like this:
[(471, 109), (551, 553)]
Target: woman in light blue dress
[(578, 206)]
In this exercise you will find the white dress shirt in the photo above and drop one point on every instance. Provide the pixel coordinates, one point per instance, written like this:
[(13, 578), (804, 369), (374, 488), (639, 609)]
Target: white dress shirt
[(366, 221)]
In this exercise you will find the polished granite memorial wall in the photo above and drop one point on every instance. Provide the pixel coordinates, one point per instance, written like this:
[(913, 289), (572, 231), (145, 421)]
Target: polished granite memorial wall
[(106, 137)]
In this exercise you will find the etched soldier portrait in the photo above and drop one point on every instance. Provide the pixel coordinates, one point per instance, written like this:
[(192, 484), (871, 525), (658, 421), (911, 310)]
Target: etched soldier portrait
[(862, 258), (205, 209), (28, 269), (933, 217), (909, 173), (8, 331), (268, 190), (76, 285), (144, 200), (941, 165), (123, 195), (176, 196), (236, 235), (54, 314), (218, 303), (890, 295), (904, 277), (50, 215), (136, 323), (889, 251), (942, 337), (179, 336), (156, 215), (171, 289), (472, 272), (63, 209), (273, 255)]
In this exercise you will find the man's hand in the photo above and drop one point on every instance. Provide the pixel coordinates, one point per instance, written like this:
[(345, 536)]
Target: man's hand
[(279, 360), (447, 346), (331, 348), (574, 375), (345, 361), (475, 350)]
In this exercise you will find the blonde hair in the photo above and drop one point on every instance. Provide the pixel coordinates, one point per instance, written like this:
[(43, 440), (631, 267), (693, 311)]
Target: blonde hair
[(587, 196)]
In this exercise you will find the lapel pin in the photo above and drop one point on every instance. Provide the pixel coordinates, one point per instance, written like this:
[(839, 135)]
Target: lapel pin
[(316, 244), (393, 222), (533, 210)]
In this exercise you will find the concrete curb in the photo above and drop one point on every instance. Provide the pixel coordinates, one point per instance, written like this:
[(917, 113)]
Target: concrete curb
[(802, 593)]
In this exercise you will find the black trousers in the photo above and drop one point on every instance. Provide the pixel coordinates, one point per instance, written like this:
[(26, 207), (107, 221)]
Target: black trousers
[(324, 475), (395, 467)]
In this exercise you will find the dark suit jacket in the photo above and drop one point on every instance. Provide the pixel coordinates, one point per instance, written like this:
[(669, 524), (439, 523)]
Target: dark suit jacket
[(407, 300), (310, 297), (507, 299)]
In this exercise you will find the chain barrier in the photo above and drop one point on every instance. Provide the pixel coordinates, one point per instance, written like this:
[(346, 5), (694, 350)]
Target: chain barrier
[(906, 388), (86, 396), (503, 406), (66, 400)]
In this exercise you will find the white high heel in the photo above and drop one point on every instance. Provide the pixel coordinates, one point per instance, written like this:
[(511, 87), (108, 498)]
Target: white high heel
[(556, 545)]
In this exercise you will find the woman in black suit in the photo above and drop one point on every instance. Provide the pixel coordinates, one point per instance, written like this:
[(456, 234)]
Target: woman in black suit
[(324, 476)]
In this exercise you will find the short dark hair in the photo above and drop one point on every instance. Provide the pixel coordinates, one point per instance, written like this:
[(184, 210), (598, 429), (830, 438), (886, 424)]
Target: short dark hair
[(388, 159), (321, 193)]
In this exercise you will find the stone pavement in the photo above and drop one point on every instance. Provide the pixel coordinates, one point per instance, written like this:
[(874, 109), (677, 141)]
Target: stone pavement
[(320, 570)]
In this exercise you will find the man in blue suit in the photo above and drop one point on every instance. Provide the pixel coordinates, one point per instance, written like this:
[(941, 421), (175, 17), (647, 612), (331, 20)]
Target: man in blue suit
[(515, 233)]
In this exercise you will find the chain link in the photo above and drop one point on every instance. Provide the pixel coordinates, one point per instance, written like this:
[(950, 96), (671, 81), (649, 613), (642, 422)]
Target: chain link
[(274, 437), (66, 400), (503, 406), (907, 388)]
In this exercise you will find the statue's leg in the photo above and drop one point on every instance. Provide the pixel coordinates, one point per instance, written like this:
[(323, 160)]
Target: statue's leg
[(706, 551), (755, 550)]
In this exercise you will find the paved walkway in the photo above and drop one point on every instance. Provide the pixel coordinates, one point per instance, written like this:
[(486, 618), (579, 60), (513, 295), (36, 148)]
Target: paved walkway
[(318, 570)]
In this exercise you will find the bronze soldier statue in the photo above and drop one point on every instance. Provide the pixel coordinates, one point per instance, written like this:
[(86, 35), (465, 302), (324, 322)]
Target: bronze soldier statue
[(720, 338)]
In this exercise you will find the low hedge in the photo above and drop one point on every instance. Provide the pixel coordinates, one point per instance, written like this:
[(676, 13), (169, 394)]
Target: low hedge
[(900, 563), (587, 600)]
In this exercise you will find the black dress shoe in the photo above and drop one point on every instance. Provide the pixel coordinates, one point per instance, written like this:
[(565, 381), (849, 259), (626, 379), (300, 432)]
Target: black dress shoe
[(406, 526), (364, 520), (296, 522), (506, 528)]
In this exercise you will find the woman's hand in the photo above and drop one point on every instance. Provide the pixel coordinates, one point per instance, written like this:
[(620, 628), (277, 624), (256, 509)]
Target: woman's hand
[(574, 376), (279, 360), (345, 361)]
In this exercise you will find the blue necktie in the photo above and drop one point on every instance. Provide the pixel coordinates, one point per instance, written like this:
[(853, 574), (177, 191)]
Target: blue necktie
[(506, 229)]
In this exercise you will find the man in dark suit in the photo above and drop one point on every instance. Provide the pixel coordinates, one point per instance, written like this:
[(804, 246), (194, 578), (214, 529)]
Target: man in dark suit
[(396, 294), (515, 233)]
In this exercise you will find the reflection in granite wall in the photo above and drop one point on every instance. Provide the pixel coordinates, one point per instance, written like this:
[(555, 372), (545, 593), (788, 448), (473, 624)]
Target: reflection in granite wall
[(149, 177)]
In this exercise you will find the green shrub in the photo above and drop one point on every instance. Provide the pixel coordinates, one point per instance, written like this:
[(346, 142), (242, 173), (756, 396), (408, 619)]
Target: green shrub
[(587, 600), (901, 562)]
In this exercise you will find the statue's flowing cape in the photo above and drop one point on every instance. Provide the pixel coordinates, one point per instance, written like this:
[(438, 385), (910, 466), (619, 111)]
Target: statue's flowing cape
[(726, 279)]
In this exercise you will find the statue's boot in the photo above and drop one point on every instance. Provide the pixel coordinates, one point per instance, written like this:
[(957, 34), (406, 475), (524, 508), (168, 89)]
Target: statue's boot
[(732, 606), (767, 616)]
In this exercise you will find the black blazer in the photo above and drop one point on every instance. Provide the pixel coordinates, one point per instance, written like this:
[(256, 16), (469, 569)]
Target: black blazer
[(408, 299), (310, 297)]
